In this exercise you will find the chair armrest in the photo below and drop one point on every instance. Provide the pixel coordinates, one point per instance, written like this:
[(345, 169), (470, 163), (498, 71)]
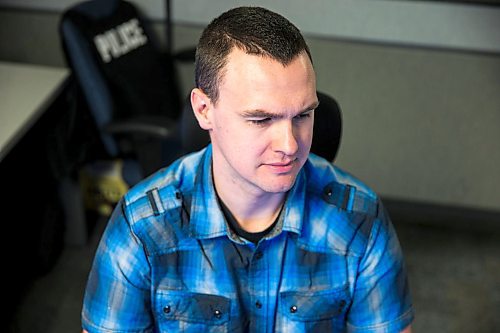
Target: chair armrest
[(155, 126)]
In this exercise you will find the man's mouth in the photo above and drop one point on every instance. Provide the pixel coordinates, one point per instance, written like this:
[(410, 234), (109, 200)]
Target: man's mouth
[(282, 166)]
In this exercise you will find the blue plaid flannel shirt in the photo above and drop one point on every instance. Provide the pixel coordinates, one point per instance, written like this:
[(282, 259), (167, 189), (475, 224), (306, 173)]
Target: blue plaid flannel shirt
[(168, 262)]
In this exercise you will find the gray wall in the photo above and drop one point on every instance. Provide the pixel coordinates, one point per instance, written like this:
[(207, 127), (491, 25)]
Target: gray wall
[(419, 124), (439, 24)]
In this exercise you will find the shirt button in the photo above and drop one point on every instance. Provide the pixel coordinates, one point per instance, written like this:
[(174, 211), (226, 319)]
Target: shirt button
[(217, 314), (166, 309), (293, 309), (258, 305), (258, 255)]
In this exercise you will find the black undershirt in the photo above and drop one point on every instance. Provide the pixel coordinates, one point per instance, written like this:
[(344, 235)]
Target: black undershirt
[(253, 237)]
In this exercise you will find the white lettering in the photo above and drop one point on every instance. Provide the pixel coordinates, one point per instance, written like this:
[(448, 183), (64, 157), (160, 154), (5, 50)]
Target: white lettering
[(103, 47), (120, 40)]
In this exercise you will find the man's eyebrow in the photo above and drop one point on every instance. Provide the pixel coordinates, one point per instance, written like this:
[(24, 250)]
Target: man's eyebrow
[(312, 106), (257, 113)]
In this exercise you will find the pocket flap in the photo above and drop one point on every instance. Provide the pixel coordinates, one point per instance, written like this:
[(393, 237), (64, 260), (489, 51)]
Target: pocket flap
[(312, 306), (192, 307)]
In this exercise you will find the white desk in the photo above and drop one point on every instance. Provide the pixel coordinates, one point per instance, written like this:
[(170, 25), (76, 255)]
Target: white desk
[(25, 93)]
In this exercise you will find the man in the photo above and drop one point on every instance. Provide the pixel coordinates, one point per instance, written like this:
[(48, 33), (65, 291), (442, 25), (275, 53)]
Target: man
[(247, 235)]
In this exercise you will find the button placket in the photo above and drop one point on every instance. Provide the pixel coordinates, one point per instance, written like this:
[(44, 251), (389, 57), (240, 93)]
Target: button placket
[(257, 283)]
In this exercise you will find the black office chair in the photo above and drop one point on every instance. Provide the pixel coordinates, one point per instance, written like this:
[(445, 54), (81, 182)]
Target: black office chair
[(130, 86), (326, 137), (327, 127)]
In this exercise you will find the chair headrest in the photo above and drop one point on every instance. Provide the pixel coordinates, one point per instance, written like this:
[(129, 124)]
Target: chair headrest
[(327, 127)]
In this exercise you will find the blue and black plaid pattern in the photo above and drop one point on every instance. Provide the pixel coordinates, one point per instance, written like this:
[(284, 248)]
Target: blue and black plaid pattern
[(168, 262)]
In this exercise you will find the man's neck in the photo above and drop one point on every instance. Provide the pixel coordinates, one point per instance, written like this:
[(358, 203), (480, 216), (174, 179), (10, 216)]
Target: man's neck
[(254, 212)]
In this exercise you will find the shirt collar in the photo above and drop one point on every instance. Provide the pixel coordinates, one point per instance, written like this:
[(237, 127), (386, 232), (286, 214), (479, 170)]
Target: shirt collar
[(294, 205), (207, 219)]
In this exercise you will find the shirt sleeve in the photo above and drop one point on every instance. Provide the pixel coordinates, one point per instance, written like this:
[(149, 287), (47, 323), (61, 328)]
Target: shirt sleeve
[(117, 297), (381, 298)]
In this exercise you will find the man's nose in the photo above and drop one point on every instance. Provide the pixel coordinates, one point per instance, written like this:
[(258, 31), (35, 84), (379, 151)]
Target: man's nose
[(284, 139)]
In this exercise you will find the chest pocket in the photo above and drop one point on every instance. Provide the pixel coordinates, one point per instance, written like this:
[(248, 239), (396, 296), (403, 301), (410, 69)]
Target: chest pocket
[(322, 311), (191, 312)]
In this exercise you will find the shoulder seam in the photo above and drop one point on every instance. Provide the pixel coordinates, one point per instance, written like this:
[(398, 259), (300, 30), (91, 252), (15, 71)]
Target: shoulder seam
[(348, 198)]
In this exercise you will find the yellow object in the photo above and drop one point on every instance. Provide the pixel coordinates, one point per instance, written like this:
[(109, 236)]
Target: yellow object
[(102, 185)]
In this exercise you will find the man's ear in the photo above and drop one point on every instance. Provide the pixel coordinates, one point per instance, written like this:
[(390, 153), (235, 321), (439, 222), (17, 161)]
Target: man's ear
[(202, 106)]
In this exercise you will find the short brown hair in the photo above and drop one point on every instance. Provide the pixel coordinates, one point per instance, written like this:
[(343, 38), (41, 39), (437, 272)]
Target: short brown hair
[(254, 30)]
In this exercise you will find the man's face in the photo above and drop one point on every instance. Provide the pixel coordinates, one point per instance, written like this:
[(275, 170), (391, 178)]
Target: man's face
[(262, 124)]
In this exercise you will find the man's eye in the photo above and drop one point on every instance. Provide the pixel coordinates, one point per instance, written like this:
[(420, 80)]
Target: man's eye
[(260, 121), (304, 115)]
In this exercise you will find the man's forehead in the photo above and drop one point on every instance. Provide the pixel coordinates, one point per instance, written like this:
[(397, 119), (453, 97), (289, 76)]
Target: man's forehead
[(242, 66)]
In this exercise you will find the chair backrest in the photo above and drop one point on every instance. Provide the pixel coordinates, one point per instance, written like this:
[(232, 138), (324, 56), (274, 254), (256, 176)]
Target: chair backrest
[(117, 63), (327, 127), (326, 137)]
